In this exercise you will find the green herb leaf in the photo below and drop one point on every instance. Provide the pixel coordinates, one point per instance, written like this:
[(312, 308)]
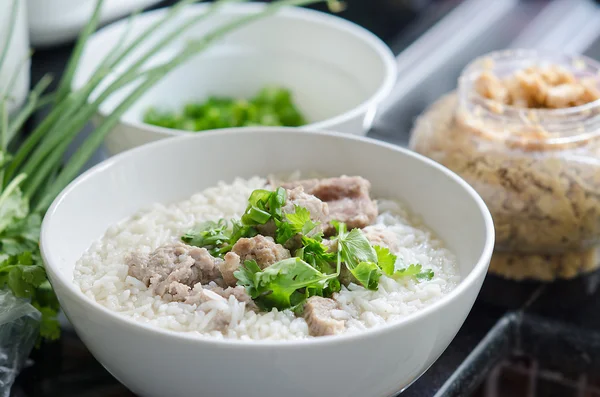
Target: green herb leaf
[(284, 284), (49, 326), (45, 297), (246, 276), (264, 205), (385, 259), (216, 237), (368, 273), (355, 248), (295, 223), (22, 274), (316, 253), (414, 271), (240, 231), (358, 255), (13, 205), (33, 275), (209, 235), (284, 232)]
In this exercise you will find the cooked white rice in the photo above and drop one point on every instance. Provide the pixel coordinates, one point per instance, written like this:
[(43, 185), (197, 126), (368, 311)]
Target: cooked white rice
[(102, 274)]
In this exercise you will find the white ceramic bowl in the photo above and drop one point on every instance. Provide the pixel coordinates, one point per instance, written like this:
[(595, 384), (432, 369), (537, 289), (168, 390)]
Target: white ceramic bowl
[(156, 362), (338, 72), (53, 22)]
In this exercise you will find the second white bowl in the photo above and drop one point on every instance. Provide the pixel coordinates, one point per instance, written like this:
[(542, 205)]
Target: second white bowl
[(337, 71)]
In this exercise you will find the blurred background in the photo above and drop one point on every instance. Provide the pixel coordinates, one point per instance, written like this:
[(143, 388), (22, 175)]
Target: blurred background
[(432, 39)]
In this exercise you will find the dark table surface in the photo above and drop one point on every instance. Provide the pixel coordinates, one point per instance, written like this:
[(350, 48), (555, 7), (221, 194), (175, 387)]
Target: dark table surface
[(66, 368)]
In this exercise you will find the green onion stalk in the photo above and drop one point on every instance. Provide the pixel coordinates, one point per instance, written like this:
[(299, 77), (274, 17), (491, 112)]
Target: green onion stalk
[(33, 173)]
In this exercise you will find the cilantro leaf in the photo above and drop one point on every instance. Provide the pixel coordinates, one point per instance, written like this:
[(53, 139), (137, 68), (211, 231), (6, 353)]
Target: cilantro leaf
[(13, 206), (356, 248), (49, 326), (246, 276), (359, 256), (300, 221), (20, 288), (264, 205), (209, 235), (427, 274), (240, 231), (385, 259), (45, 297), (333, 286), (285, 284), (25, 275), (216, 236), (26, 232), (284, 232), (368, 273), (22, 274), (33, 275), (317, 254), (414, 271)]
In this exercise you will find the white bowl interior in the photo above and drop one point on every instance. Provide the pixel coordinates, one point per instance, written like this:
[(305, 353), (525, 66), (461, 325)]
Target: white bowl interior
[(175, 169), (331, 66)]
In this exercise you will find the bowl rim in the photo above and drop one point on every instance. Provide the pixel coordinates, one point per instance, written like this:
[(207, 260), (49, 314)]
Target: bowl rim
[(478, 271), (366, 107)]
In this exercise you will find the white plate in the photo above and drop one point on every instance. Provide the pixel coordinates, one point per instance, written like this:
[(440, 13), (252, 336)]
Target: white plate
[(58, 21)]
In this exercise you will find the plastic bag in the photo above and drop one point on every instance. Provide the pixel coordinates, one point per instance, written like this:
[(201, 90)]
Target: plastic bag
[(19, 330)]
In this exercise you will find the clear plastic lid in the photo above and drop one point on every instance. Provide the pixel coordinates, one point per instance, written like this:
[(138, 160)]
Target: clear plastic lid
[(533, 128)]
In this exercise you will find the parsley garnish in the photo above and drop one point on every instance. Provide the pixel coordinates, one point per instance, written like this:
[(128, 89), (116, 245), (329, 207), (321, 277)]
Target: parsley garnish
[(414, 271), (385, 259), (314, 269), (284, 285), (21, 267), (358, 255), (298, 222)]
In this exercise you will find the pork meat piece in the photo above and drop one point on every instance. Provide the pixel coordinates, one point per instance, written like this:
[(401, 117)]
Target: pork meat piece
[(348, 199), (380, 235), (318, 316), (261, 249), (173, 269), (230, 264), (319, 211)]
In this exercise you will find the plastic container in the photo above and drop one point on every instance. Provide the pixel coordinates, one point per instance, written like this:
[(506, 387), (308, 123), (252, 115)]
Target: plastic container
[(538, 170), (19, 330)]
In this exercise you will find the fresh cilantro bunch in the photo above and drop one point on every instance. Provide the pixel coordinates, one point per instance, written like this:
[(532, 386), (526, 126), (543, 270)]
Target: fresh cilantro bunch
[(21, 266), (317, 263)]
